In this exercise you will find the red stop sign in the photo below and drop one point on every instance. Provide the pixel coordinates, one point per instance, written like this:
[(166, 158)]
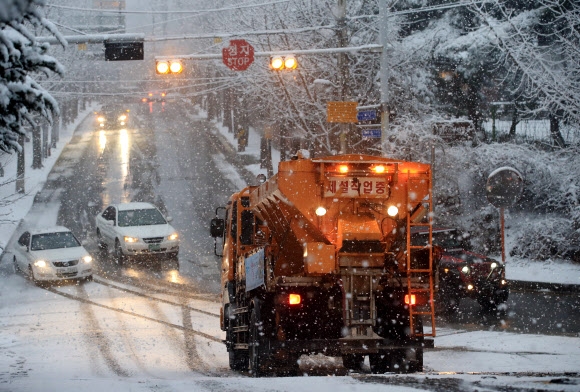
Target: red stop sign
[(239, 55)]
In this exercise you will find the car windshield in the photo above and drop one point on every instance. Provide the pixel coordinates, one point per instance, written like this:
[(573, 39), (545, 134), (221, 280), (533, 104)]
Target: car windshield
[(54, 241), (144, 217), (444, 239)]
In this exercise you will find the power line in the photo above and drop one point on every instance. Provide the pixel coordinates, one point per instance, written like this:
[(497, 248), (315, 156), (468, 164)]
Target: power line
[(119, 11)]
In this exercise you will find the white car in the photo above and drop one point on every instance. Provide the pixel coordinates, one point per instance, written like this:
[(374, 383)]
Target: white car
[(52, 254), (136, 229)]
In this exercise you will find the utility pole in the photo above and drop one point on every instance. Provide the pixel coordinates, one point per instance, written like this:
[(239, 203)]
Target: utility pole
[(342, 67), (384, 72)]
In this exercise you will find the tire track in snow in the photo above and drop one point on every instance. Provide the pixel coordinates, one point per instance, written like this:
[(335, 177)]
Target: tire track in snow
[(95, 336), (140, 294), (176, 326)]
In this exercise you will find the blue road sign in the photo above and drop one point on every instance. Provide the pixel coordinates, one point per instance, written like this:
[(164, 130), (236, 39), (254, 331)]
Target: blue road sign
[(367, 115), (371, 133)]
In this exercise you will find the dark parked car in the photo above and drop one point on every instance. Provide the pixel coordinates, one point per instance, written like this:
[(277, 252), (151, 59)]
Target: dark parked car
[(464, 274)]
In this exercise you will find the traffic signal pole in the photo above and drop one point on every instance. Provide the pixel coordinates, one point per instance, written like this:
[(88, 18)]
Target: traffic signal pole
[(342, 65), (384, 72)]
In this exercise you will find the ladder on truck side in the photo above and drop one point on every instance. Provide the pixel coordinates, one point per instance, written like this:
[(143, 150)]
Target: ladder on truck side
[(420, 279)]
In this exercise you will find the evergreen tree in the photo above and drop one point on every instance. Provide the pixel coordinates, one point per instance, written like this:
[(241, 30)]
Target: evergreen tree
[(21, 60)]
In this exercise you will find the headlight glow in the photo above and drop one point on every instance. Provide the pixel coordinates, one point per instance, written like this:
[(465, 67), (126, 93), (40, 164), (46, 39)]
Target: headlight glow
[(101, 119), (40, 263), (379, 169), (392, 211), (320, 211), (87, 259), (469, 287), (122, 117), (493, 266), (131, 239), (173, 237), (465, 270)]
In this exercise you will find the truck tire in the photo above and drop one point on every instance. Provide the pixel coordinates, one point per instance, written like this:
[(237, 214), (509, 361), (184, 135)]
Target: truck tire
[(382, 362), (238, 360), (258, 362), (353, 361)]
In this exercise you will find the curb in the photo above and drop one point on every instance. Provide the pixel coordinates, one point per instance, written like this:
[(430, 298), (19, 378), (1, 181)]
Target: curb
[(521, 285)]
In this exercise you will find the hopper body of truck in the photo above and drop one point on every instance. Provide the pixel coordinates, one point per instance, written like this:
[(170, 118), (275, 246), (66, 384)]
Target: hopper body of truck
[(318, 259)]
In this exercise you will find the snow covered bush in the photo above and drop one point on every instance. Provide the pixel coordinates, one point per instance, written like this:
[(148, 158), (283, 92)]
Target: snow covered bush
[(546, 238), (21, 58)]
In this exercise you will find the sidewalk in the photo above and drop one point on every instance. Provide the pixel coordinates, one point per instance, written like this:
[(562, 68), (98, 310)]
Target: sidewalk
[(523, 274)]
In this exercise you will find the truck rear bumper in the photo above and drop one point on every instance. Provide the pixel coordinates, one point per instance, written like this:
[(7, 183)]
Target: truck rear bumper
[(338, 347)]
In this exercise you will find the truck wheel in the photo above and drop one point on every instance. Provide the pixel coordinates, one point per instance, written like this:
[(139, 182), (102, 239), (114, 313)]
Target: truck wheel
[(238, 360), (258, 367), (417, 365), (353, 361), (381, 362)]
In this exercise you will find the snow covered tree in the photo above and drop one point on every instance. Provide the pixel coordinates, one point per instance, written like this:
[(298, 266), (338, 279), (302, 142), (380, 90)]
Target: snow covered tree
[(21, 59)]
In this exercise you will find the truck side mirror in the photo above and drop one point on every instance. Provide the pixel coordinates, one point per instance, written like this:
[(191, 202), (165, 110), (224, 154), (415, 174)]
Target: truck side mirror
[(217, 227)]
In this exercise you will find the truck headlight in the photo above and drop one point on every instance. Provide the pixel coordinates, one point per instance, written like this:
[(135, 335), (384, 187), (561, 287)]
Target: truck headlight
[(465, 270), (493, 266), (131, 239)]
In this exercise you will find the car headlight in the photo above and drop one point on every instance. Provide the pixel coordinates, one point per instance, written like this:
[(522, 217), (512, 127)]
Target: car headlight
[(131, 239), (173, 237), (40, 263), (122, 117), (101, 119), (493, 266), (87, 259), (465, 270)]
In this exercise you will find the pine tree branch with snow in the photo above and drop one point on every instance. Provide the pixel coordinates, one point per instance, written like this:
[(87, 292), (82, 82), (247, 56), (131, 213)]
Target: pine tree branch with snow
[(21, 58)]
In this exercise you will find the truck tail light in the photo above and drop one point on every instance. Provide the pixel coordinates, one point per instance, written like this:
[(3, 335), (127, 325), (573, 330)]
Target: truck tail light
[(294, 299), (410, 301)]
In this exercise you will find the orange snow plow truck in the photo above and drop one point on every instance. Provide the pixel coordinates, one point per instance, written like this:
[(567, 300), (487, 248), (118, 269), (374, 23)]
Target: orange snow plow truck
[(318, 259)]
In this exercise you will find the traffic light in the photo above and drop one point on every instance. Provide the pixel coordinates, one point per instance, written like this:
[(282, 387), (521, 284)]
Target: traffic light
[(165, 67), (278, 63)]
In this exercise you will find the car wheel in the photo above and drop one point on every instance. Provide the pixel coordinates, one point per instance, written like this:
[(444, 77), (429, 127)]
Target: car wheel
[(31, 275), (15, 265), (100, 243), (88, 279), (119, 257)]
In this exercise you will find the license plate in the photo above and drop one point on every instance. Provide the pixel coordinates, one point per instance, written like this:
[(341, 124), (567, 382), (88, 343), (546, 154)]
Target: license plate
[(154, 247), (67, 270)]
